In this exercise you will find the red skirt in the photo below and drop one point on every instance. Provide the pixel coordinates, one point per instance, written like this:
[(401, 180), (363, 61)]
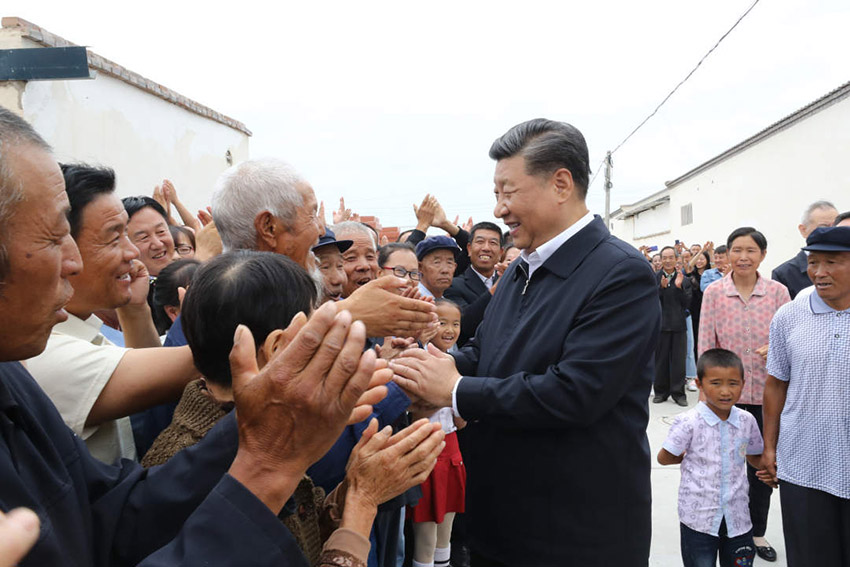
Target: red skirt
[(445, 488)]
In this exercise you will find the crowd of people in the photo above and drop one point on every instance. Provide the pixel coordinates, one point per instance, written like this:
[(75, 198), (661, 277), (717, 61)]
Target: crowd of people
[(253, 385)]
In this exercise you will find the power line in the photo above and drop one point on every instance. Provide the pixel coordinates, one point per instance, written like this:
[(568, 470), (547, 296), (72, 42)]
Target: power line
[(682, 82)]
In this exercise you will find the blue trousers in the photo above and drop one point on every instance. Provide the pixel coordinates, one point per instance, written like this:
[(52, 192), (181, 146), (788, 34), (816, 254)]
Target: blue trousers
[(701, 550)]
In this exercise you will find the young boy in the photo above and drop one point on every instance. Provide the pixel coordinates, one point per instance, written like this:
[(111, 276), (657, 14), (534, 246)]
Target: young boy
[(713, 441)]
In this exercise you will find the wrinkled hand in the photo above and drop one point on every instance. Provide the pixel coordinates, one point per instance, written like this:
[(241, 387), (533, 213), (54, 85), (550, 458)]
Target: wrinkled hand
[(293, 410), (428, 374), (207, 242), (342, 214), (440, 219), (376, 392), (767, 471), (382, 466), (19, 531), (762, 351), (393, 347), (381, 306)]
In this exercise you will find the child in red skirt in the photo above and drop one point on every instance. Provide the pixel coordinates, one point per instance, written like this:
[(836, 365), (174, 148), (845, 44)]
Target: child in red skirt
[(444, 492)]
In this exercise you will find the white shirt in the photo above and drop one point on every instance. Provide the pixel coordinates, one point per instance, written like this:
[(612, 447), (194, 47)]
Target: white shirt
[(488, 282), (545, 250), (73, 370), (535, 260)]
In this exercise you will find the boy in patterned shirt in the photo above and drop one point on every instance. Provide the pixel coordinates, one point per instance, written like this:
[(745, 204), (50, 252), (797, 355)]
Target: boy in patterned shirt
[(713, 442)]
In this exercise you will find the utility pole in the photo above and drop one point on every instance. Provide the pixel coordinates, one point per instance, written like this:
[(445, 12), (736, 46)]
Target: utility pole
[(609, 165)]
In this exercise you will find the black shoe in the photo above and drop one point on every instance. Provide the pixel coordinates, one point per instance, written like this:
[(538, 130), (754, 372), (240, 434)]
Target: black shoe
[(767, 553), (460, 556), (681, 401), (659, 399)]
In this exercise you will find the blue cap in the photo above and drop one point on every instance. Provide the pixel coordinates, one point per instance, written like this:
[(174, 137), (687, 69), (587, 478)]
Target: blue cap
[(436, 243), (829, 239), (330, 238)]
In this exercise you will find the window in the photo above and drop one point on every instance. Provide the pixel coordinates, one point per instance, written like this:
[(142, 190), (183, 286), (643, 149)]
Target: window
[(688, 214)]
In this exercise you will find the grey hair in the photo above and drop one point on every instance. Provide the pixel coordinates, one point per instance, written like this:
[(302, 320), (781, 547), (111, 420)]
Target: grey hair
[(816, 206), (547, 146), (353, 227), (14, 132), (248, 189)]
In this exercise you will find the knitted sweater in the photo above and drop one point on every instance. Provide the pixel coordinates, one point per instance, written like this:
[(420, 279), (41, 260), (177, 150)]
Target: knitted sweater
[(194, 416)]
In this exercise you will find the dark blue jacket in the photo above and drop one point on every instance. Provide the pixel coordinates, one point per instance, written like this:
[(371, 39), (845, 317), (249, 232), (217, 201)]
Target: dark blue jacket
[(186, 512), (793, 274), (556, 384)]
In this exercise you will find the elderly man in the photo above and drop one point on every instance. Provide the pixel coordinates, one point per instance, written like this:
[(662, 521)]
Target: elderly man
[(793, 273), (360, 261), (328, 253), (265, 205), (437, 256), (216, 502), (473, 288), (555, 383), (94, 384), (807, 407)]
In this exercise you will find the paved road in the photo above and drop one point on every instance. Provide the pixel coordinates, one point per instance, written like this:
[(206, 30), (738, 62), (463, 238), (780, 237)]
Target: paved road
[(665, 488)]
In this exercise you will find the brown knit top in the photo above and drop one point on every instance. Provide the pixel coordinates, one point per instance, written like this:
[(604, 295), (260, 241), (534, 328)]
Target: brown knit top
[(194, 416)]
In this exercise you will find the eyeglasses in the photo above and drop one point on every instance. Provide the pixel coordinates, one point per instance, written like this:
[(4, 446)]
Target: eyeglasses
[(184, 249), (402, 273)]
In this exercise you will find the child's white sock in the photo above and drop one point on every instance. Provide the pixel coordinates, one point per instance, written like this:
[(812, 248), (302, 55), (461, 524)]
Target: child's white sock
[(417, 564), (442, 555)]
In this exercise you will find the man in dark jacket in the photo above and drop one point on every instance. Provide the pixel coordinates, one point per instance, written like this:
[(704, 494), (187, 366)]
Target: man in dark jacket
[(556, 381), (792, 273), (674, 293), (472, 289)]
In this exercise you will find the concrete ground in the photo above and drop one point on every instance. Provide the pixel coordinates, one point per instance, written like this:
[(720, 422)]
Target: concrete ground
[(665, 488)]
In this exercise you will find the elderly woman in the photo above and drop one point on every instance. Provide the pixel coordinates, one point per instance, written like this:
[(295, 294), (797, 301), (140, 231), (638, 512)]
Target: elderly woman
[(264, 291), (736, 315)]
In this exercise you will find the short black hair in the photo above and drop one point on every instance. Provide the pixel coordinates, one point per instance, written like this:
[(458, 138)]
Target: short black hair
[(718, 358), (547, 146), (841, 217), (676, 254), (385, 251), (721, 249), (174, 275), (487, 225), (135, 204), (83, 184), (758, 237), (262, 290)]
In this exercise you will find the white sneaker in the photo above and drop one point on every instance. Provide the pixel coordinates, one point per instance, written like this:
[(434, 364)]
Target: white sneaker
[(692, 385)]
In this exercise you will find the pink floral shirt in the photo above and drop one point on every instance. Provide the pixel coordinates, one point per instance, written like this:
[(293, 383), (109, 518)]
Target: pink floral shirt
[(714, 471), (727, 321)]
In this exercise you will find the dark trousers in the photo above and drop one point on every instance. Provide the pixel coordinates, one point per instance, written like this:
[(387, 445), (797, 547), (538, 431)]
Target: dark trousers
[(476, 560), (670, 364), (701, 550), (816, 526), (759, 491)]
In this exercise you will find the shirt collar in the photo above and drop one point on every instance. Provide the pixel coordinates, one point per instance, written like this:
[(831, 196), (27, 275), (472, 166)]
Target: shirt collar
[(817, 304), (545, 250), (730, 289), (483, 278), (423, 291), (87, 330), (712, 419)]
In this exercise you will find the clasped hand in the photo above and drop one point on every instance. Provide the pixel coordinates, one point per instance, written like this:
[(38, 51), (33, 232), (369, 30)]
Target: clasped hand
[(428, 374)]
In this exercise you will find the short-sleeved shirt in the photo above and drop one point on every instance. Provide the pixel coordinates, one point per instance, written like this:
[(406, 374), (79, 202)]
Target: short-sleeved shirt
[(714, 471), (727, 321), (810, 349), (73, 370)]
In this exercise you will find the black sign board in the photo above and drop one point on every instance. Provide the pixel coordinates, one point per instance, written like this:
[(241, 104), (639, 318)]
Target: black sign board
[(43, 63)]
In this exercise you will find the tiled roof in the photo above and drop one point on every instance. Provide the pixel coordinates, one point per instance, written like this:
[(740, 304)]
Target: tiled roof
[(104, 65)]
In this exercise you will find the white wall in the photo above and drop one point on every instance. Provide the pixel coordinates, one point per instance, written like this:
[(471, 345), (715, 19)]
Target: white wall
[(767, 186), (106, 121)]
